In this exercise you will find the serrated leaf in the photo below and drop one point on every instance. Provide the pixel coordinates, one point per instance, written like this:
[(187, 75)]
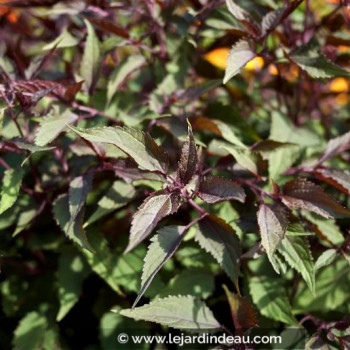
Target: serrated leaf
[(217, 189), (91, 58), (273, 222), (219, 239), (79, 188), (336, 146), (326, 258), (52, 125), (162, 248), (118, 195), (198, 282), (129, 65), (188, 160), (73, 231), (317, 65), (246, 158), (271, 20), (304, 194), (335, 177), (138, 145), (297, 253), (271, 299), (72, 270), (240, 54), (153, 209), (181, 312), (11, 183), (25, 145), (242, 311)]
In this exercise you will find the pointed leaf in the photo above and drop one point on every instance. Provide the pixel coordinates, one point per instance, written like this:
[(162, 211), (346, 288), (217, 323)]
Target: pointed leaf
[(271, 299), (78, 190), (125, 68), (240, 54), (271, 20), (52, 125), (189, 159), (25, 145), (220, 240), (273, 222), (304, 194), (116, 197), (246, 158), (297, 253), (335, 177), (181, 312), (72, 270), (336, 146), (152, 210), (11, 183), (75, 230), (217, 189), (91, 57), (162, 248), (242, 311), (137, 144), (326, 258)]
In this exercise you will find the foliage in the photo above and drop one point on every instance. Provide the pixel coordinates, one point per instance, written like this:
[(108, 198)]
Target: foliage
[(173, 164)]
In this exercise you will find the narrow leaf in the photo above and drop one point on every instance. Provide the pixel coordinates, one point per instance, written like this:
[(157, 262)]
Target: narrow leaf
[(217, 189), (162, 248), (11, 183), (91, 57), (304, 194), (152, 210), (336, 146), (273, 222), (116, 197), (220, 240), (181, 312), (297, 253), (335, 177), (189, 159), (240, 54), (73, 231), (326, 258), (128, 66), (242, 311), (137, 144)]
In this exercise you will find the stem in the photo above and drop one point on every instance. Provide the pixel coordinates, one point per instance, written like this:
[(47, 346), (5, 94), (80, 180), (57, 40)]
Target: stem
[(197, 207)]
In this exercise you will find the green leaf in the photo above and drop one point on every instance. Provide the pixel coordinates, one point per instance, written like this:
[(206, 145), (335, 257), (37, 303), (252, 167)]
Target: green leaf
[(162, 248), (52, 125), (11, 183), (128, 66), (25, 145), (181, 312), (137, 144), (188, 160), (217, 189), (75, 230), (153, 209), (64, 40), (2, 113), (273, 222), (304, 194), (219, 239), (118, 195), (246, 158), (193, 281), (30, 332), (271, 299), (228, 134), (297, 253), (317, 65), (72, 270), (91, 58), (326, 258), (240, 54)]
